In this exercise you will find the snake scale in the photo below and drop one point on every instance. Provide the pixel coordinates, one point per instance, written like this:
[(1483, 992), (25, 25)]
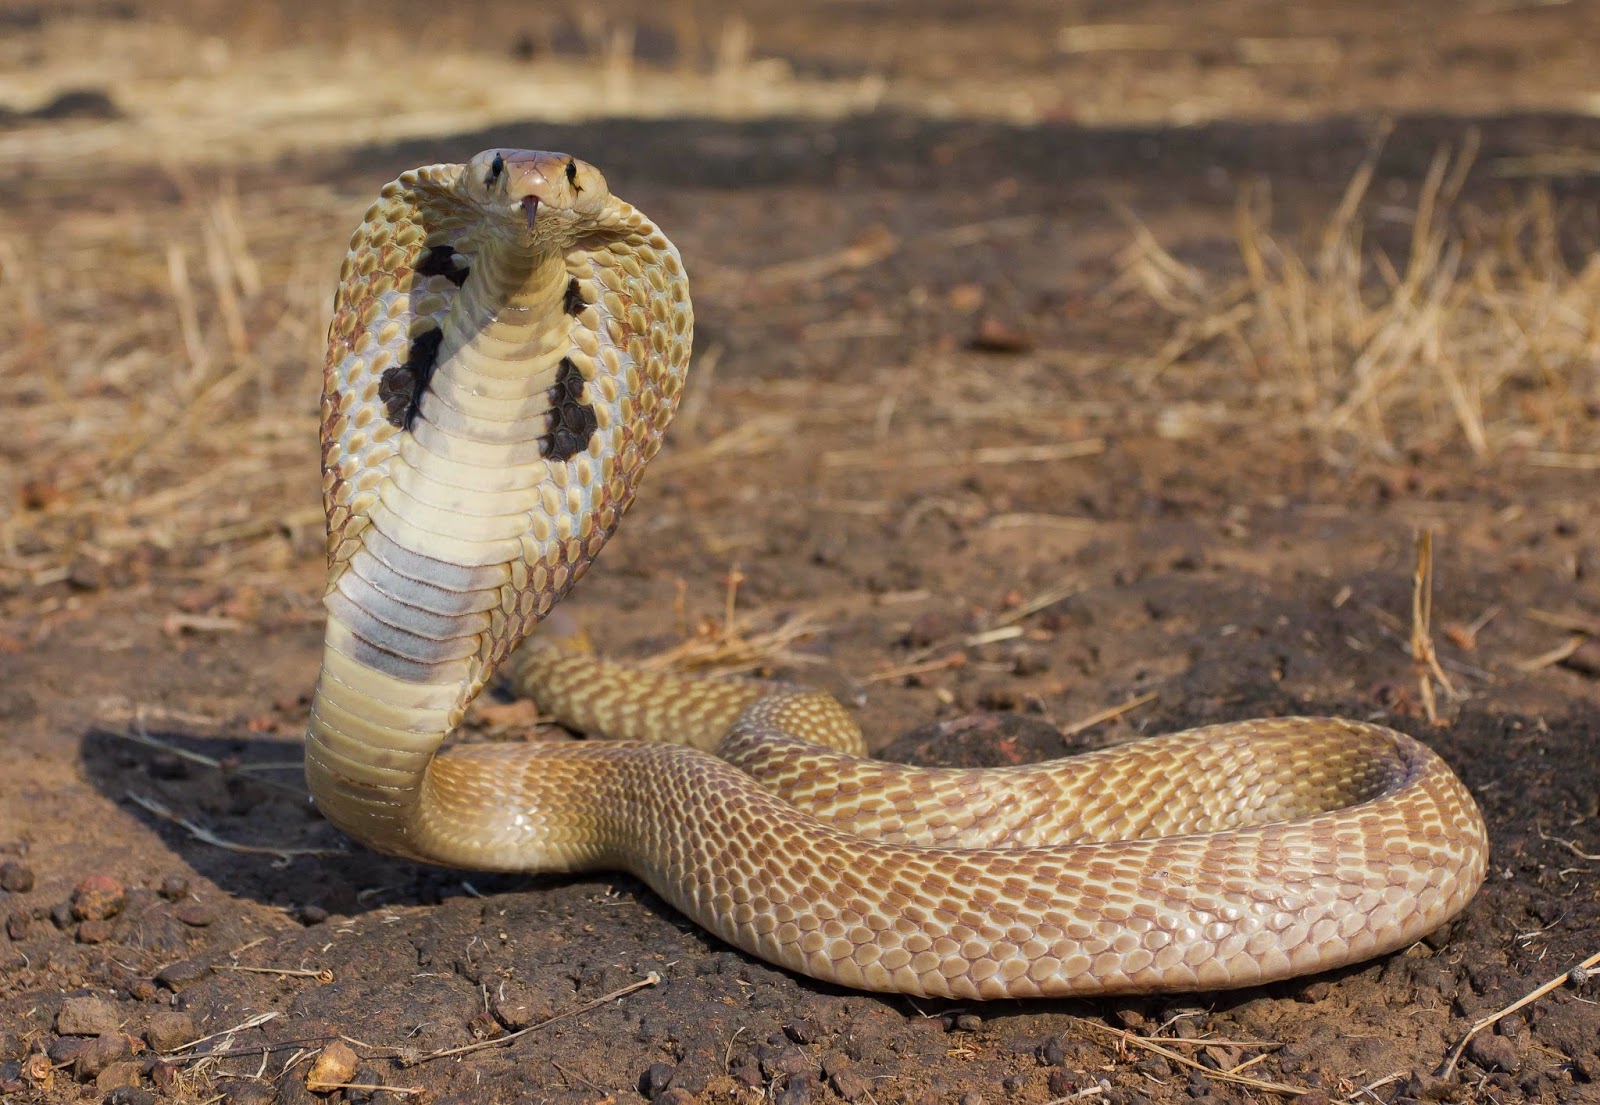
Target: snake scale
[(508, 346)]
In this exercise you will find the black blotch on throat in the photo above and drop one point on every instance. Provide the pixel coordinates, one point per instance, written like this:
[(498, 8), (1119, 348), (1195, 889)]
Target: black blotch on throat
[(401, 387), (571, 421), (440, 261), (573, 302)]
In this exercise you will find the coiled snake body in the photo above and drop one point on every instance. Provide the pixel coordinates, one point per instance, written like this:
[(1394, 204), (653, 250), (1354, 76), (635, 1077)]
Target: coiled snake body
[(508, 347)]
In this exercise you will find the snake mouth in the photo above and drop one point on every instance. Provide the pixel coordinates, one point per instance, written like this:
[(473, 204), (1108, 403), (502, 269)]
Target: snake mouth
[(530, 208)]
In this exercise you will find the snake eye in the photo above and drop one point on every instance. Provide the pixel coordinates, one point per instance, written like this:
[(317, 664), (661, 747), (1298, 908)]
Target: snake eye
[(572, 174), (496, 167)]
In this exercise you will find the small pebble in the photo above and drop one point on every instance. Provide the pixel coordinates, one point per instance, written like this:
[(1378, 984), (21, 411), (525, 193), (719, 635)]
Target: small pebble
[(61, 915), (164, 1075), (971, 1097), (656, 1078), (1494, 1053), (174, 887), (94, 932), (119, 1076), (17, 924), (849, 1085), (130, 1095), (97, 898), (312, 915), (168, 1030), (99, 1053), (968, 1022), (333, 1066), (87, 1016), (142, 989), (195, 914), (16, 877), (1062, 1082), (365, 1076), (674, 1096), (1199, 1085), (182, 974), (798, 1089), (803, 1031)]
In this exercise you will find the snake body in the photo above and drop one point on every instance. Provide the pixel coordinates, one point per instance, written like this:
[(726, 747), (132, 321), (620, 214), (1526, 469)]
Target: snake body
[(508, 347)]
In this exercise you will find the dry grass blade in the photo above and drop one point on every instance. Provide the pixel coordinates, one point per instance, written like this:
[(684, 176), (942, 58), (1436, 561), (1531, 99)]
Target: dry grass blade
[(1577, 976), (1482, 335), (1145, 1043)]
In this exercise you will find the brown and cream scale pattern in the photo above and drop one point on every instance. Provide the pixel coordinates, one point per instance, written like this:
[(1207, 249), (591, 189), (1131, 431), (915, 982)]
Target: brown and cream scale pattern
[(495, 388)]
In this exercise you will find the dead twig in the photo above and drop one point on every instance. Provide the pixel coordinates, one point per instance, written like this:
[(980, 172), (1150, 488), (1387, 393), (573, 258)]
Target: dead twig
[(1107, 714), (1162, 1049), (650, 979), (206, 836), (1577, 976), (322, 975)]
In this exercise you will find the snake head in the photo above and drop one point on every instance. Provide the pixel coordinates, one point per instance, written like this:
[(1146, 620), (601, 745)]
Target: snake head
[(552, 198)]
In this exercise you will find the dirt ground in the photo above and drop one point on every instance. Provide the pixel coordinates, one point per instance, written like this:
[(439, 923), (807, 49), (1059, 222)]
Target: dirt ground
[(1000, 424)]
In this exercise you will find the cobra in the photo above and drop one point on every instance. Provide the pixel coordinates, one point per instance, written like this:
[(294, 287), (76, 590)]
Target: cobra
[(508, 346)]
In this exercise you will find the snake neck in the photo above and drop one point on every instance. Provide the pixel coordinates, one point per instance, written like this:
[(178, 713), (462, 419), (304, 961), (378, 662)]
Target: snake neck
[(455, 565)]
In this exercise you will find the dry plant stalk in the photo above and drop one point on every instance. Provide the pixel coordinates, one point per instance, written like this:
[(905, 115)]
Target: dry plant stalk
[(1482, 333)]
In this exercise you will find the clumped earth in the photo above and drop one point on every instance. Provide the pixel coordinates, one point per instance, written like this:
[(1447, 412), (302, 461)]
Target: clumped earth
[(923, 458)]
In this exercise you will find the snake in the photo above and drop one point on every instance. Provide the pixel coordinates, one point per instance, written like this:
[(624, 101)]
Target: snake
[(508, 346)]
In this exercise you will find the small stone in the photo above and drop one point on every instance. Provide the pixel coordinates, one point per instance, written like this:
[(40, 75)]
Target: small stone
[(240, 1092), (803, 1031), (655, 1079), (849, 1085), (64, 1049), (142, 989), (99, 1053), (174, 887), (312, 915), (195, 914), (971, 1097), (366, 1076), (17, 922), (1062, 1082), (94, 932), (673, 1096), (798, 1089), (1494, 1053), (169, 1030), (968, 1022), (179, 976), (164, 1075), (16, 877), (61, 915), (87, 1016), (1014, 1083), (1313, 1097), (97, 898), (1199, 1085), (332, 1067), (118, 1078)]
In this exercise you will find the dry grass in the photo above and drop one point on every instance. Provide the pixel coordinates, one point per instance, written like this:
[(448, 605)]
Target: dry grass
[(165, 376), (1480, 331)]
